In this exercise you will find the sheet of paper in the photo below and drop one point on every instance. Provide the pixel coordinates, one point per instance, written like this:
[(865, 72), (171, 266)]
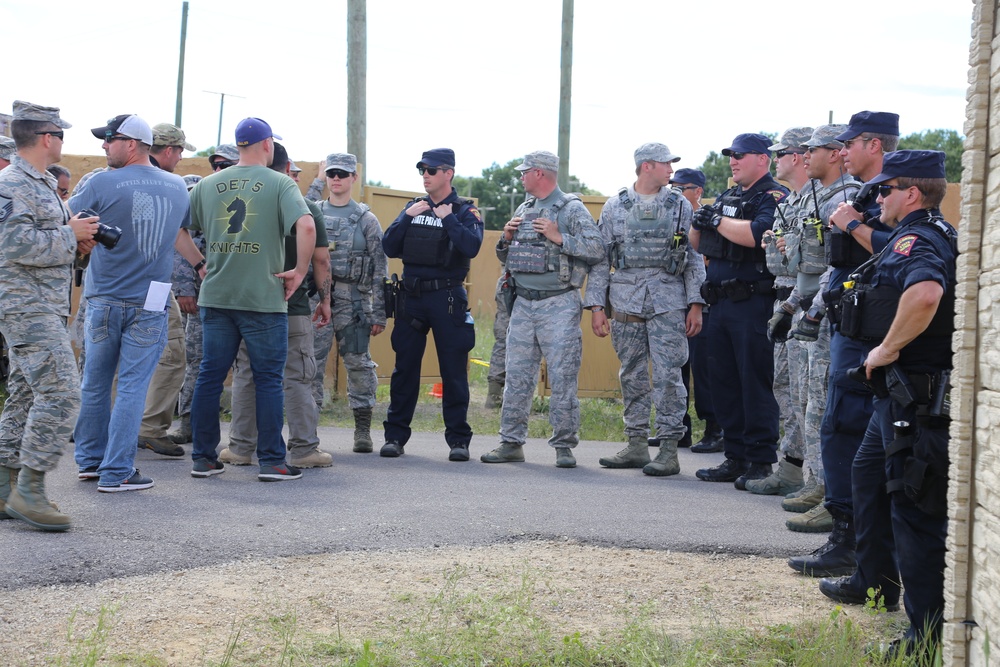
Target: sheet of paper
[(156, 296)]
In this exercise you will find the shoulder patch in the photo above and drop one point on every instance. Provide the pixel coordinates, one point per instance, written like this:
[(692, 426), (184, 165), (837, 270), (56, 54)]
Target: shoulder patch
[(475, 212), (777, 194), (904, 244), (6, 208)]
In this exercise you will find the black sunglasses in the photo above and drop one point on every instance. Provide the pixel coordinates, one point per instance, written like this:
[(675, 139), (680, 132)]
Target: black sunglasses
[(778, 153), (431, 170), (687, 187), (54, 133), (886, 190), (340, 173), (222, 164)]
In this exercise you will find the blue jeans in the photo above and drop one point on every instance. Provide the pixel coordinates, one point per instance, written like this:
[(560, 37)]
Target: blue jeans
[(118, 335), (266, 338)]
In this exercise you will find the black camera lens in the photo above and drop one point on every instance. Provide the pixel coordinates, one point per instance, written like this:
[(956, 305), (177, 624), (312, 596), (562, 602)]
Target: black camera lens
[(107, 236)]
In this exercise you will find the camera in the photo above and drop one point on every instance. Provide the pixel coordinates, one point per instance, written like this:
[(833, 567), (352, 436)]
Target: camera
[(106, 235)]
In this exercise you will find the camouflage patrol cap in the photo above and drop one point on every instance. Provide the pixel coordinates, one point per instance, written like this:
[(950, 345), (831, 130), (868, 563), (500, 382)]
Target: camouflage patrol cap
[(29, 111), (654, 152), (343, 161), (793, 137), (826, 136), (294, 168), (226, 151), (191, 180), (539, 160), (165, 134), (7, 148)]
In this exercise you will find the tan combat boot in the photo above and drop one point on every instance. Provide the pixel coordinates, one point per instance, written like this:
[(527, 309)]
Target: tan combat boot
[(362, 430), (666, 462), (635, 454), (494, 399), (28, 503)]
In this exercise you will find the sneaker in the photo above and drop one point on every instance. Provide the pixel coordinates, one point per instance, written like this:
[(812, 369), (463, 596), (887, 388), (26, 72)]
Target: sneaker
[(507, 452), (161, 446), (314, 459), (391, 449), (136, 482), (278, 473), (207, 468), (565, 458), (88, 474), (816, 520), (459, 453), (227, 455), (727, 471)]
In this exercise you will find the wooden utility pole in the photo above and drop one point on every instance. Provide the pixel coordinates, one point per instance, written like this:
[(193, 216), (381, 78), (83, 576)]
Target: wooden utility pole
[(180, 65), (357, 72), (565, 93)]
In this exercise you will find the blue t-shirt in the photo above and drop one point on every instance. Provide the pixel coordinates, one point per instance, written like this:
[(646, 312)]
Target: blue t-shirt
[(150, 206)]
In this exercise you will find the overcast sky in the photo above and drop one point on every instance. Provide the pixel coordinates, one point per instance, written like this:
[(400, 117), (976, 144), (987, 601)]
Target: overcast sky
[(483, 78)]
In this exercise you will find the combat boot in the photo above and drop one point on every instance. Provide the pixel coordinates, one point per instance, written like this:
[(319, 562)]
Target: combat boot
[(494, 397), (786, 479), (711, 441), (362, 430), (805, 501), (665, 463), (8, 481), (816, 520), (28, 503), (507, 452), (635, 454), (565, 458), (182, 435), (835, 558)]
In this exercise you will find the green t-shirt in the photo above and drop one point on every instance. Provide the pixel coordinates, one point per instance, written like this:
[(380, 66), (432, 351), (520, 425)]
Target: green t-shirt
[(298, 304), (245, 214)]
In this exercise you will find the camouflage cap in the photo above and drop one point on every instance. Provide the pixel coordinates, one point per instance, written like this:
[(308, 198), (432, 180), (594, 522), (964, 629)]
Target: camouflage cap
[(227, 151), (540, 160), (7, 148), (793, 137), (191, 180), (654, 153), (343, 161), (29, 111), (826, 135), (165, 134), (294, 168)]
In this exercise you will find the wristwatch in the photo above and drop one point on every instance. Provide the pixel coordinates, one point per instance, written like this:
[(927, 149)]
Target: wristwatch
[(852, 225), (197, 267)]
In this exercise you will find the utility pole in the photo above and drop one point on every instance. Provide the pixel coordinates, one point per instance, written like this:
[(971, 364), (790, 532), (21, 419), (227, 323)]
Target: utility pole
[(222, 105), (180, 65), (357, 72), (565, 92)]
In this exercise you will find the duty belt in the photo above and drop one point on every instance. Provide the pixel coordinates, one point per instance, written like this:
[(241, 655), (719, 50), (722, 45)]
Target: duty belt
[(418, 287), (736, 290), (537, 295), (625, 318), (782, 293)]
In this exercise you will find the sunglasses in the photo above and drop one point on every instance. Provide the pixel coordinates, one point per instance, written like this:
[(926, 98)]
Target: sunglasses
[(341, 174), (850, 142), (54, 133), (778, 154), (740, 156), (432, 171), (686, 187), (222, 164), (112, 139), (886, 190)]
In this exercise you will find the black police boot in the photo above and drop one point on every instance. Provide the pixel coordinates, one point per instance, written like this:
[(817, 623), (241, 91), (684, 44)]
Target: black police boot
[(727, 471), (755, 471), (835, 558), (391, 449), (711, 441), (846, 590)]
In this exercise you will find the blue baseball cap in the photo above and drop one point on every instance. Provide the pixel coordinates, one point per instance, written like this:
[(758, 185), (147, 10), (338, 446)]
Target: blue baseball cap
[(879, 122), (252, 130), (911, 164), (437, 157), (749, 143), (689, 177)]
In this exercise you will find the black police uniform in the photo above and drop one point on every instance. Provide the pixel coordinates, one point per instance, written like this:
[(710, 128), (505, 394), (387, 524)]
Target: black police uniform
[(436, 254), (922, 248), (740, 291)]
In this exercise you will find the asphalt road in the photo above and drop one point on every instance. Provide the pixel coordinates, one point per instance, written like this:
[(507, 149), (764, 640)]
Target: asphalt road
[(365, 502)]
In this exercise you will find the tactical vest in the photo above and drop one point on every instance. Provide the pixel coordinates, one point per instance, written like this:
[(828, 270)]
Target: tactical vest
[(349, 260), (784, 263), (530, 252), (426, 243), (716, 246), (815, 235), (842, 251), (653, 237)]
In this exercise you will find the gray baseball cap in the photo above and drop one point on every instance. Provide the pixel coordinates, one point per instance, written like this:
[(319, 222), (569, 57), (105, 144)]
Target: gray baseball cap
[(654, 152), (7, 148), (343, 161), (29, 111), (539, 160), (793, 137), (826, 135), (227, 151)]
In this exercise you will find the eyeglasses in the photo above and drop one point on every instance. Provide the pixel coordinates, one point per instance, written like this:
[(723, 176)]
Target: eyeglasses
[(111, 140), (525, 173), (54, 133), (218, 165), (780, 154), (63, 191), (431, 171), (341, 174), (886, 190), (850, 142)]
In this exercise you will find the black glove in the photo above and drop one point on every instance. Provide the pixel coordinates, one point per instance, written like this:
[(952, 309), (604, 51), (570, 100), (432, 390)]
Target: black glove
[(807, 330), (705, 218), (779, 325)]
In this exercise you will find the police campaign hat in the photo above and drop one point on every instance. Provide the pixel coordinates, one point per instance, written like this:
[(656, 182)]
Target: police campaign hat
[(689, 177), (437, 157), (165, 134), (826, 136), (749, 143), (654, 152), (343, 161), (793, 137), (128, 125), (878, 122), (226, 151), (250, 131), (29, 111), (911, 164), (539, 160), (7, 148)]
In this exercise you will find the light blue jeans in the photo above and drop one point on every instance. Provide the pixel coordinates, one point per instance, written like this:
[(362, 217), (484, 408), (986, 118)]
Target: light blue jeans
[(118, 335)]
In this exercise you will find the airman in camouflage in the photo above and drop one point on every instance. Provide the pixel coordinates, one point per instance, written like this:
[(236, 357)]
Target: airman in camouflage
[(186, 285), (497, 376), (358, 267), (548, 247), (7, 151), (649, 280), (38, 244)]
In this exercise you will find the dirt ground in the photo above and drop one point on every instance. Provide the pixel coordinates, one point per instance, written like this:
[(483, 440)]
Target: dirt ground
[(187, 617)]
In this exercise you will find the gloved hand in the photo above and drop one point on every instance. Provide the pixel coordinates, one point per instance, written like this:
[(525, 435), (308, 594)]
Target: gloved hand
[(779, 325), (705, 218), (807, 330)]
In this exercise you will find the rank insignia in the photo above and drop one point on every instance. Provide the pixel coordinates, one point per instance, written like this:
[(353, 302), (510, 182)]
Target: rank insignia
[(904, 244), (6, 208)]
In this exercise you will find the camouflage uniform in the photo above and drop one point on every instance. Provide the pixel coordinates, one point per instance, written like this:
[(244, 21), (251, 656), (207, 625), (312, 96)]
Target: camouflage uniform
[(498, 365), (7, 149), (187, 283), (546, 320), (37, 249), (653, 302)]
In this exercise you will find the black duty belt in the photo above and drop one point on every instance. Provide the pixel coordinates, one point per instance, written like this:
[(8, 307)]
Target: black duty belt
[(537, 295), (420, 286)]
